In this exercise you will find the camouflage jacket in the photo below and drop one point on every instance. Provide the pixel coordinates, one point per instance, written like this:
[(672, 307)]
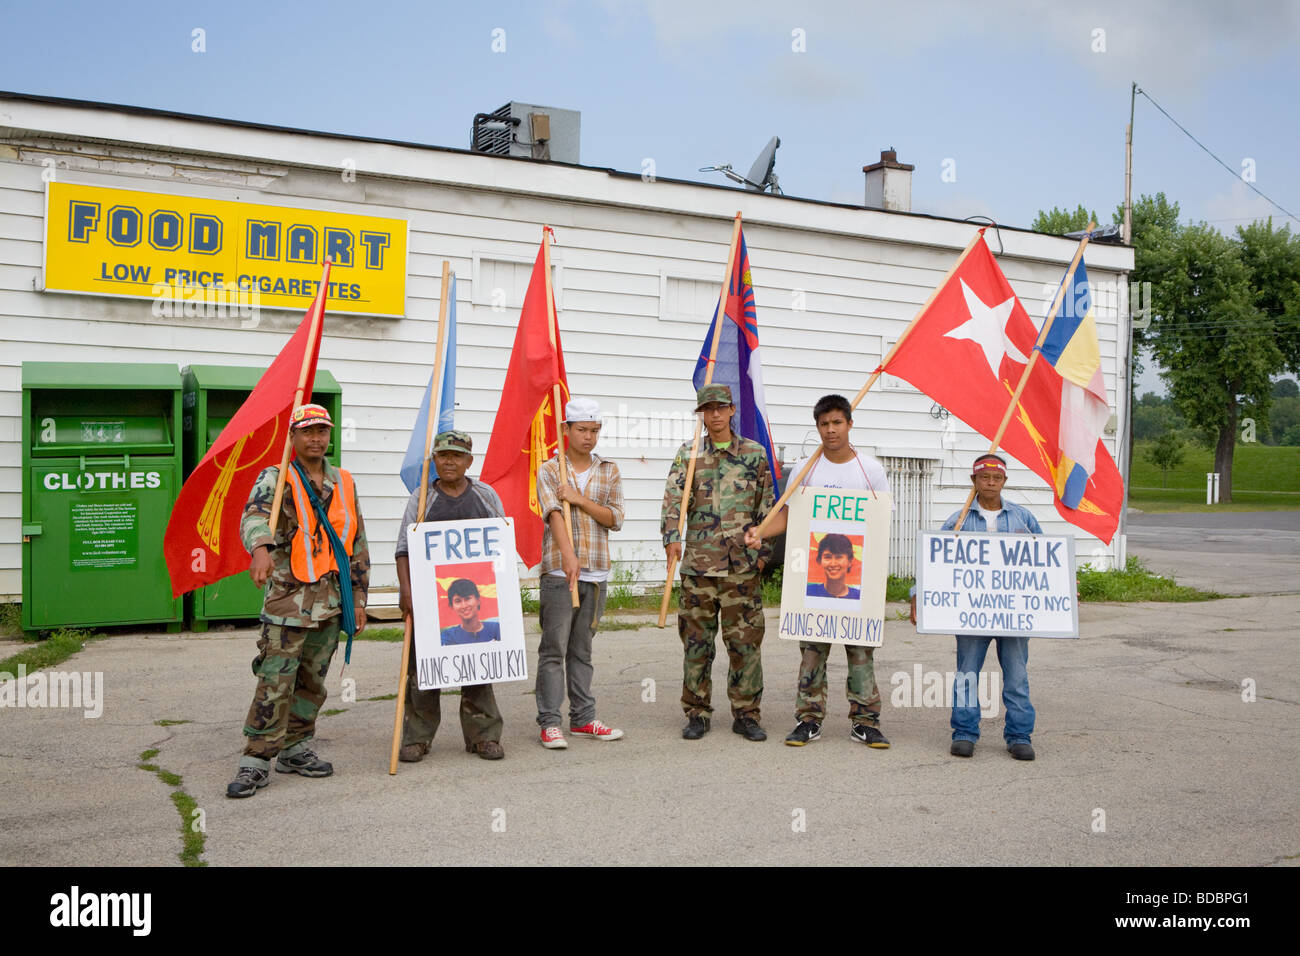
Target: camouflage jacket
[(288, 601), (731, 490)]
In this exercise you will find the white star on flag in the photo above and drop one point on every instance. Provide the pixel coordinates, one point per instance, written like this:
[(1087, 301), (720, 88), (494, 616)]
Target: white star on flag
[(987, 328)]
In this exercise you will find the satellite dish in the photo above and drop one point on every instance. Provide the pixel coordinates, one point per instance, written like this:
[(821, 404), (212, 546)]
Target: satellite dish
[(762, 174)]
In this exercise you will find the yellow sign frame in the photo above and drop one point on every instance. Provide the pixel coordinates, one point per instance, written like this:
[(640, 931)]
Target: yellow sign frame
[(101, 240)]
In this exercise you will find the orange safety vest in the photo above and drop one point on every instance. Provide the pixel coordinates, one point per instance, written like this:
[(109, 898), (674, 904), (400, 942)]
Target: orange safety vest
[(311, 555)]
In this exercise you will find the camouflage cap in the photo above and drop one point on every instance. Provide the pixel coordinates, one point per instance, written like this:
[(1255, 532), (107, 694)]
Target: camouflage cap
[(306, 415), (453, 441), (712, 393)]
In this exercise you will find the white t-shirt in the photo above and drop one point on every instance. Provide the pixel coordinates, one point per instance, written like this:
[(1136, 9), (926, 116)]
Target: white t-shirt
[(990, 517), (863, 473), (581, 479)]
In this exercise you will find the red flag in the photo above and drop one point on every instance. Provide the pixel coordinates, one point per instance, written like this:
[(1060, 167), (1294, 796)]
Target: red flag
[(524, 434), (967, 351), (202, 542)]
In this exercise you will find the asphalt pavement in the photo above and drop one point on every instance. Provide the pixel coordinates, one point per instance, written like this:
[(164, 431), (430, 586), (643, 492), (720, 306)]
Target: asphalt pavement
[(1165, 736)]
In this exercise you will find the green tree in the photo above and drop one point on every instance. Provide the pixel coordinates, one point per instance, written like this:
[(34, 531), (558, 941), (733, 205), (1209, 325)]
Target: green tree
[(1217, 350), (1284, 416), (1058, 222), (1166, 453), (1272, 257), (1286, 388)]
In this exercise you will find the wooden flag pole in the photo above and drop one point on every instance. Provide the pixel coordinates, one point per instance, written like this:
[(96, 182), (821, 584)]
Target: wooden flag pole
[(1029, 366), (793, 485), (699, 422), (313, 338), (553, 328), (430, 427)]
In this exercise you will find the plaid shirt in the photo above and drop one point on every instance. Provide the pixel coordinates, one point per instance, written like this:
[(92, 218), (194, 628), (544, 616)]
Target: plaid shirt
[(604, 487)]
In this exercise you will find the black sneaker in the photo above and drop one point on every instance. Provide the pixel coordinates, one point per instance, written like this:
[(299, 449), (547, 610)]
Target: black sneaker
[(247, 782), (304, 762), (748, 728), (1022, 751), (871, 736), (807, 730), (695, 728), (962, 748)]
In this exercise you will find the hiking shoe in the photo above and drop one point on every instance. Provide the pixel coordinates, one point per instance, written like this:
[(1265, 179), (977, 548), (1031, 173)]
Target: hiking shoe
[(1021, 751), (871, 736), (962, 748), (304, 762), (695, 728), (247, 782), (596, 730), (552, 739), (808, 730), (748, 728), (412, 753), (488, 750)]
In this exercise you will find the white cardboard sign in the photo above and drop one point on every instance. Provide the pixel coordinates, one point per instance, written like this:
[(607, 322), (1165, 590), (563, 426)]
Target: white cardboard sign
[(836, 563), (469, 624), (1001, 584)]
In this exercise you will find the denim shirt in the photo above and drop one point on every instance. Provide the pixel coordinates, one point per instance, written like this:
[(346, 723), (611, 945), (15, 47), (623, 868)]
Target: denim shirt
[(1012, 519)]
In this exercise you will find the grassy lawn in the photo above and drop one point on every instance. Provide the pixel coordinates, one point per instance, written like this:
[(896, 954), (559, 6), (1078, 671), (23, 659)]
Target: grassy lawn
[(1264, 478)]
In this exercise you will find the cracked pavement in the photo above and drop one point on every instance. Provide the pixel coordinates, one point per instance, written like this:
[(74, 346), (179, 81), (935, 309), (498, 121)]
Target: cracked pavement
[(1143, 719)]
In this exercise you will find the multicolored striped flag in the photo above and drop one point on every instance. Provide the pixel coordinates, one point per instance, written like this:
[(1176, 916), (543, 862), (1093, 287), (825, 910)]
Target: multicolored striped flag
[(738, 364)]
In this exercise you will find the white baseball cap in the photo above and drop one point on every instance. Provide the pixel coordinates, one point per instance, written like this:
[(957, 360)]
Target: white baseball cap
[(581, 410)]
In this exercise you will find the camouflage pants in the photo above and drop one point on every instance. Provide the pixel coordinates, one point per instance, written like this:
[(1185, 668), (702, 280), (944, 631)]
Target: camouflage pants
[(480, 720), (290, 666), (738, 600), (861, 689)]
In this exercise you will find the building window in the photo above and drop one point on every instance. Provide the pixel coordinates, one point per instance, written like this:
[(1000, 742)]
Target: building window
[(687, 298), (502, 281), (910, 481)]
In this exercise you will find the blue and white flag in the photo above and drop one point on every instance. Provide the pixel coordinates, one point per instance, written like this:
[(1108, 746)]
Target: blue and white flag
[(413, 463)]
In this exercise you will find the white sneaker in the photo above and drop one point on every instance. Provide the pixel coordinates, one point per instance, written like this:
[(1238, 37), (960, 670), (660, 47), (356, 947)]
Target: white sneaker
[(597, 731), (552, 739)]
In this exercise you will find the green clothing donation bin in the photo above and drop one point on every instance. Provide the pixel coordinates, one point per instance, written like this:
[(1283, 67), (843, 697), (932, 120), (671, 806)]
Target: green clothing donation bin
[(213, 393), (101, 469)]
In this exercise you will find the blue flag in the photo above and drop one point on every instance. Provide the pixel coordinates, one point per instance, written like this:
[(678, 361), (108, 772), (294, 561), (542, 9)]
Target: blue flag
[(413, 463), (738, 365)]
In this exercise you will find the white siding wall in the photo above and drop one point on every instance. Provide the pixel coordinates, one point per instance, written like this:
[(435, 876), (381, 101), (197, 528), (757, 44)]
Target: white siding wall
[(633, 312)]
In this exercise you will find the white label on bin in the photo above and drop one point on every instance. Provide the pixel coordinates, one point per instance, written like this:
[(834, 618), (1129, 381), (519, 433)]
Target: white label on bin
[(101, 480)]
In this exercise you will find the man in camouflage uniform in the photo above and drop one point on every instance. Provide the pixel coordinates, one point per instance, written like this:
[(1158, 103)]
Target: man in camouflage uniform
[(731, 491), (300, 620)]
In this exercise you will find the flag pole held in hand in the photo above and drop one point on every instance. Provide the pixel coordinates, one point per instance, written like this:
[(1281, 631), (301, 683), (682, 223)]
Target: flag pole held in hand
[(435, 410), (719, 318)]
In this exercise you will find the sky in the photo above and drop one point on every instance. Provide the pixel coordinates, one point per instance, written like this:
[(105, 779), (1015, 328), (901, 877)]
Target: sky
[(1004, 108)]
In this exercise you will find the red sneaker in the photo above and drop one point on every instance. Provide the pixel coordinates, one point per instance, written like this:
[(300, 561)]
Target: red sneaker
[(597, 731), (552, 739)]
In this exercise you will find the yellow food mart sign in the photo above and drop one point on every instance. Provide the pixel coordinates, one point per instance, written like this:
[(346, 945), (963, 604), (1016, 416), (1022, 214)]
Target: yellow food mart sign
[(152, 245)]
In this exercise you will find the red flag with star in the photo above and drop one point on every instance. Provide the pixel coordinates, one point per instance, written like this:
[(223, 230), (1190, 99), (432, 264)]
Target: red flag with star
[(967, 351)]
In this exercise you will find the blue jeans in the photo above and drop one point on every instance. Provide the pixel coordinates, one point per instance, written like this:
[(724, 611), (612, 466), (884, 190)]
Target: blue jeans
[(1013, 655)]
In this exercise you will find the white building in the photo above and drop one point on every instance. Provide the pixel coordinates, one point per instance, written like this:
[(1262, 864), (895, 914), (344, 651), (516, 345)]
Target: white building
[(638, 264)]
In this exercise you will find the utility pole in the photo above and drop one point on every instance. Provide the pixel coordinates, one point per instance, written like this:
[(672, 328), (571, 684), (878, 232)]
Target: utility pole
[(1128, 169)]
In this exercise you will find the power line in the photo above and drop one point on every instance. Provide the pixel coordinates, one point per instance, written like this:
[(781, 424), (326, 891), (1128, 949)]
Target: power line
[(1230, 170)]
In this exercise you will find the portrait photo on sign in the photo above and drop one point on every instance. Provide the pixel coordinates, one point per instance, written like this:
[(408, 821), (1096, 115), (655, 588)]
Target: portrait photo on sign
[(467, 603), (835, 565)]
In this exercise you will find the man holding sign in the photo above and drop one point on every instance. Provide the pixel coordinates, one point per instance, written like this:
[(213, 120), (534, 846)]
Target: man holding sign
[(991, 513), (452, 497), (841, 466)]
